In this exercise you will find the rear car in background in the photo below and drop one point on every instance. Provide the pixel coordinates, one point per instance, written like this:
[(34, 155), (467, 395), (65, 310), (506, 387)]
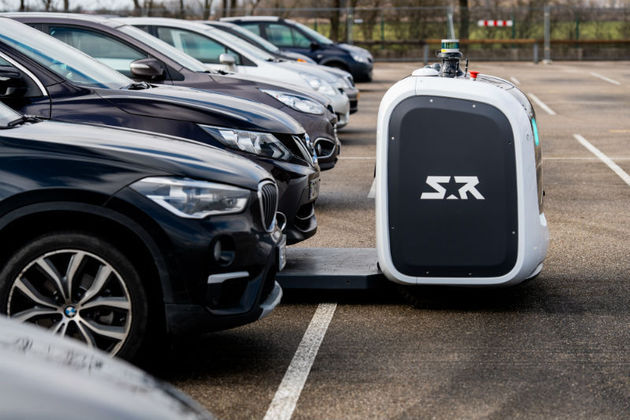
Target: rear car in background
[(293, 36), (46, 377), (143, 57), (345, 84), (112, 236), (55, 81)]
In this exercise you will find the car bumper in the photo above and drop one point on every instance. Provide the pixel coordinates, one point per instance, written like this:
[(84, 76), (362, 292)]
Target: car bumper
[(322, 133), (362, 72), (206, 294), (353, 97), (298, 186), (341, 107)]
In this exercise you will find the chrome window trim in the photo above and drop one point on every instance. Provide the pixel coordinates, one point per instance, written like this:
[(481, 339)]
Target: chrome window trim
[(20, 67)]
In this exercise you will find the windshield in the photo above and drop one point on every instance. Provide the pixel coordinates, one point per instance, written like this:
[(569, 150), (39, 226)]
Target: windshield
[(239, 45), (69, 63), (256, 39), (319, 37), (173, 53), (7, 115)]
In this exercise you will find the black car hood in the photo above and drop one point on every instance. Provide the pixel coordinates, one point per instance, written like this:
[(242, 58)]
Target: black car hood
[(353, 48), (136, 153), (197, 106)]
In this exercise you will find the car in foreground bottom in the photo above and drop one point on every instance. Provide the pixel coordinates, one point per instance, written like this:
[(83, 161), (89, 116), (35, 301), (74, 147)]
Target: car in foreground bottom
[(47, 377), (112, 242)]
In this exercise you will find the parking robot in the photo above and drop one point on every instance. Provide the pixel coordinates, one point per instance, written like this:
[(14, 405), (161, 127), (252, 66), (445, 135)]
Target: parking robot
[(459, 198)]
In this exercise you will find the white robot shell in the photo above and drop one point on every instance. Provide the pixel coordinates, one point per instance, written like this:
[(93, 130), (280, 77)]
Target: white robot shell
[(531, 232)]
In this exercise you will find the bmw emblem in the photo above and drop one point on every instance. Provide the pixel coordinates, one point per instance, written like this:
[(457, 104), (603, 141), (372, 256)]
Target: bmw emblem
[(70, 311)]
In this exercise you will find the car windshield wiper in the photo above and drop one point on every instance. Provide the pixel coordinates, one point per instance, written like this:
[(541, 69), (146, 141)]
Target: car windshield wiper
[(23, 120), (137, 86)]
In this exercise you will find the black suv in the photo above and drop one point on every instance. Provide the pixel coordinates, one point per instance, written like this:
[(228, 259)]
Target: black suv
[(45, 77), (293, 36), (110, 241)]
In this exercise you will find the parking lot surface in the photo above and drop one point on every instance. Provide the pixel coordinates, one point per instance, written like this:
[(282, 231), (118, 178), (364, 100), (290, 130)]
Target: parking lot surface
[(555, 347)]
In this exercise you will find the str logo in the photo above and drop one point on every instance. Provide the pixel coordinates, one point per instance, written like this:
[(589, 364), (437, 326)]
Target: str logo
[(451, 188)]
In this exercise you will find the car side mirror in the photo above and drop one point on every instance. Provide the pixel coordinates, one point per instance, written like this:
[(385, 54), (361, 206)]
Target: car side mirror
[(314, 46), (227, 60), (12, 83), (147, 68)]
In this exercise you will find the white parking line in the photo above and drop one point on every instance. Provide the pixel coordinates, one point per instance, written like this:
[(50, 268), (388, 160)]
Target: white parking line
[(357, 157), (604, 78), (542, 104), (288, 393), (608, 161), (372, 192), (584, 158), (515, 80)]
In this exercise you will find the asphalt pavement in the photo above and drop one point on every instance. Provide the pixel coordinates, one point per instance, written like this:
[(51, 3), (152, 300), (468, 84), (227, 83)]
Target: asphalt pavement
[(555, 347)]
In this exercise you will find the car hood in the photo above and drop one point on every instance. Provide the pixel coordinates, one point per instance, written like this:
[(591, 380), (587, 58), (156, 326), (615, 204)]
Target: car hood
[(297, 56), (239, 82), (197, 106), (354, 49), (137, 153), (311, 69), (43, 375)]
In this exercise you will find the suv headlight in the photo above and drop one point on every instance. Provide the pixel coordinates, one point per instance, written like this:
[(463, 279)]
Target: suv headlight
[(261, 144), (360, 58), (319, 85), (299, 104), (193, 199)]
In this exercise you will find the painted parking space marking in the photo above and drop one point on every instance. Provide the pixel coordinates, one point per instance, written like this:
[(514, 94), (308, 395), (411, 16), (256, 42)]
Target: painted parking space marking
[(585, 158), (515, 80), (372, 192), (284, 401), (608, 161), (542, 104), (604, 78)]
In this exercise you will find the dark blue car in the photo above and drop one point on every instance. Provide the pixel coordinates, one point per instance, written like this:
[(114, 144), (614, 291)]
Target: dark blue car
[(293, 36)]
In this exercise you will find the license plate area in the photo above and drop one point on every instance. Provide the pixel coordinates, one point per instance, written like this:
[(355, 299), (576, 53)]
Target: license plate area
[(282, 253)]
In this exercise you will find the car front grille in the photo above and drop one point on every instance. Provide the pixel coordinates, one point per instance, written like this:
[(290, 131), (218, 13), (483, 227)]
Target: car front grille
[(268, 199)]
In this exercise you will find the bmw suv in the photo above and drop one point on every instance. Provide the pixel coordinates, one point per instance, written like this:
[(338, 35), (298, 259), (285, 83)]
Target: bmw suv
[(114, 243)]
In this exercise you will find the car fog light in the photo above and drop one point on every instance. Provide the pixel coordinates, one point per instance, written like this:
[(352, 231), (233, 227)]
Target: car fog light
[(223, 251)]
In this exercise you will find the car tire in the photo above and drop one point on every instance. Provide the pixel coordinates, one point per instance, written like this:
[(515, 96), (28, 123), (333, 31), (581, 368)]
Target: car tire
[(80, 286)]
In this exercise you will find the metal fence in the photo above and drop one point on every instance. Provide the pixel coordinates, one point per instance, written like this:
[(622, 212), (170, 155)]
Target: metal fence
[(413, 33)]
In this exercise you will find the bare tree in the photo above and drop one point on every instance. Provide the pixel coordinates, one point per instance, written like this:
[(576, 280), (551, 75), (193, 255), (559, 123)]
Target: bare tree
[(66, 5), (47, 4), (136, 7), (335, 18), (22, 5), (148, 6), (182, 10), (207, 5), (253, 4), (464, 19)]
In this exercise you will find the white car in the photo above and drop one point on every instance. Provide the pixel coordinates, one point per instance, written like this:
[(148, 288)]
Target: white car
[(225, 52), (45, 376)]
